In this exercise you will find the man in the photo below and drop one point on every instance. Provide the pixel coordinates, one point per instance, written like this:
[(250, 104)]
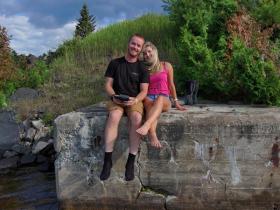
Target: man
[(125, 75)]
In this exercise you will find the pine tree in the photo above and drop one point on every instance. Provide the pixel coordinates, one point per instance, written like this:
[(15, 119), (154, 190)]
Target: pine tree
[(86, 23), (6, 63)]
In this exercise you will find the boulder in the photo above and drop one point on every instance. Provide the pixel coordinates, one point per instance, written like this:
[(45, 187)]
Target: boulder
[(27, 159), (38, 124), (9, 130), (24, 94), (43, 132), (8, 154), (31, 132), (11, 162), (21, 148), (39, 146), (213, 157), (41, 159)]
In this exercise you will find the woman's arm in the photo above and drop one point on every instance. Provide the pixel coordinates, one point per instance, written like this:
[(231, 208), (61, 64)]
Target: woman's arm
[(172, 87)]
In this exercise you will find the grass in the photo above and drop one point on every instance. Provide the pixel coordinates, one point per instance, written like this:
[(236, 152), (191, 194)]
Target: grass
[(77, 76)]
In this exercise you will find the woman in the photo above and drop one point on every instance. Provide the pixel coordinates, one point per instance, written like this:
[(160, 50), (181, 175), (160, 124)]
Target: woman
[(161, 87)]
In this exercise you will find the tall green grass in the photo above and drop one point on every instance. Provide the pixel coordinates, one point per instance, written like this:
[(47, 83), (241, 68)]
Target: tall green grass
[(112, 40), (77, 74)]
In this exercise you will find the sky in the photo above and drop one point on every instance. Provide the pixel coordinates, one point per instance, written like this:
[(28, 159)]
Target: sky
[(39, 26)]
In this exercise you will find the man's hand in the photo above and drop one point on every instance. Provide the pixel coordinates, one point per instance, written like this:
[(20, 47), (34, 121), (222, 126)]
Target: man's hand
[(131, 101), (117, 101)]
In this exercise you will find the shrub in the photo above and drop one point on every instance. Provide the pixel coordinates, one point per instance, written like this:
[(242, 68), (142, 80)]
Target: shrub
[(6, 64), (255, 80), (36, 75), (231, 55), (3, 100)]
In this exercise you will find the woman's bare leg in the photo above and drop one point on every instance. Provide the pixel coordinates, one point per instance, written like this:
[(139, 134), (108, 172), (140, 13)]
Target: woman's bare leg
[(152, 131), (160, 104)]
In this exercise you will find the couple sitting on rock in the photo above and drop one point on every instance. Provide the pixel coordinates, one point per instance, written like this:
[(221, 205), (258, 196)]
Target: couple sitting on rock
[(148, 83)]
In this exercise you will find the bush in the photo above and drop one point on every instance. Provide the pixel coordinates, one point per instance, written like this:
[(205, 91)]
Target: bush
[(33, 78), (37, 75), (267, 12), (253, 79), (6, 63), (227, 51), (3, 101)]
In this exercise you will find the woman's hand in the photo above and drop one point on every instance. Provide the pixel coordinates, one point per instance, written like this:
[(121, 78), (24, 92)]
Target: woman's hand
[(179, 107)]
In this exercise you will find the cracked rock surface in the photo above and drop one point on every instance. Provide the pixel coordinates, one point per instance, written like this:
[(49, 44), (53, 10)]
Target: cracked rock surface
[(213, 157)]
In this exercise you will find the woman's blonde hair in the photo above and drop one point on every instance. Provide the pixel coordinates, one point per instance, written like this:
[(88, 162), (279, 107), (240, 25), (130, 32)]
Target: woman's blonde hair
[(153, 65)]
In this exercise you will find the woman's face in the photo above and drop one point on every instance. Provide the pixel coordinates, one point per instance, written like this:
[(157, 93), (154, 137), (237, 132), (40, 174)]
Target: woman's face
[(148, 53)]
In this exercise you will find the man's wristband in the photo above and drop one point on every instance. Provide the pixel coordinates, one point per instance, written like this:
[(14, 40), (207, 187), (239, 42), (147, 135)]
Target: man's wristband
[(176, 99)]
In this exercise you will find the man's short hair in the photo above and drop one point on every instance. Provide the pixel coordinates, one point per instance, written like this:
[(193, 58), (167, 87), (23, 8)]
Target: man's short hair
[(137, 35)]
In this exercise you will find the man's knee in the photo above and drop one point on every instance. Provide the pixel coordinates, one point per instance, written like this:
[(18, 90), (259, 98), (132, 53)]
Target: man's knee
[(114, 116), (135, 118)]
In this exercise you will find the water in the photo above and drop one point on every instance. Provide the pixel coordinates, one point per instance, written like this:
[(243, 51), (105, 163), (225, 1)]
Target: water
[(28, 189)]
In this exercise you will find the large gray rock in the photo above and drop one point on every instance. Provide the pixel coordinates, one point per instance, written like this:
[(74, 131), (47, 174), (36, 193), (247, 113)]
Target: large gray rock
[(24, 94), (11, 162), (213, 157), (9, 130)]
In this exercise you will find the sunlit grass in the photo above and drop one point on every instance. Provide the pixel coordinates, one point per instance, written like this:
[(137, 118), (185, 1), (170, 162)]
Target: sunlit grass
[(78, 74)]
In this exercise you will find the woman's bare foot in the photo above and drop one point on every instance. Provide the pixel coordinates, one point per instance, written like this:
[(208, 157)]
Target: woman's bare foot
[(154, 140), (143, 130)]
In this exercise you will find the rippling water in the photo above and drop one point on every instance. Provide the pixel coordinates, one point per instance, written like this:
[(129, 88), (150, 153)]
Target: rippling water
[(28, 189)]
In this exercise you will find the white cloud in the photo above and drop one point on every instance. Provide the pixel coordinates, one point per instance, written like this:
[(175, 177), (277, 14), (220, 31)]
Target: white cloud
[(26, 38)]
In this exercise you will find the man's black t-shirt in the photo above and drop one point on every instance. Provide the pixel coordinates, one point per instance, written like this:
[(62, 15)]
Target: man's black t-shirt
[(127, 76)]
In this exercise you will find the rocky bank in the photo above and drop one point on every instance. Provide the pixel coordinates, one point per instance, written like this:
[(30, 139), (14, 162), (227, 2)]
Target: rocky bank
[(213, 157)]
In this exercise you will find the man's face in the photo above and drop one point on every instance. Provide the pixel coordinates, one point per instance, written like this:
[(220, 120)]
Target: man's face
[(134, 46)]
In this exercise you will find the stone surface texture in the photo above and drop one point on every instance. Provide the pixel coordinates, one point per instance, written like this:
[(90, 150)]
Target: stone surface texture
[(9, 130), (213, 157)]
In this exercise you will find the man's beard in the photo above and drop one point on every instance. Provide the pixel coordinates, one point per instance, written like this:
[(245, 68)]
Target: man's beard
[(136, 54)]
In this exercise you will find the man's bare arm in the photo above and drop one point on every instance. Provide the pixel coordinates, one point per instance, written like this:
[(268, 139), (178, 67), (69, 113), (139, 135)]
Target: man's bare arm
[(140, 96)]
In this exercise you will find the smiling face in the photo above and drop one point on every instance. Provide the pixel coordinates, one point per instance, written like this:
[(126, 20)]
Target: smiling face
[(148, 53), (135, 46)]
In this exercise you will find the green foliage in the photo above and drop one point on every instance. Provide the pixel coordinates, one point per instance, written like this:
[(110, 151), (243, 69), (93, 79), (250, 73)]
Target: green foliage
[(6, 64), (86, 23), (254, 79), (48, 118), (20, 61), (222, 11), (36, 75), (226, 68), (3, 100), (202, 42), (265, 11), (33, 78), (10, 86)]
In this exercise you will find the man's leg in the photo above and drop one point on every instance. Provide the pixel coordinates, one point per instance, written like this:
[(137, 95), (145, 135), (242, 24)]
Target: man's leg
[(111, 133), (135, 120)]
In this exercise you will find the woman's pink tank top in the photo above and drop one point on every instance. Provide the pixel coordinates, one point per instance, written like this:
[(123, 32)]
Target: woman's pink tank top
[(159, 82)]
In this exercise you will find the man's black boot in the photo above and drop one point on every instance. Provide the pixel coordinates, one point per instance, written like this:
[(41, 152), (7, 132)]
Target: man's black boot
[(129, 167), (107, 165)]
